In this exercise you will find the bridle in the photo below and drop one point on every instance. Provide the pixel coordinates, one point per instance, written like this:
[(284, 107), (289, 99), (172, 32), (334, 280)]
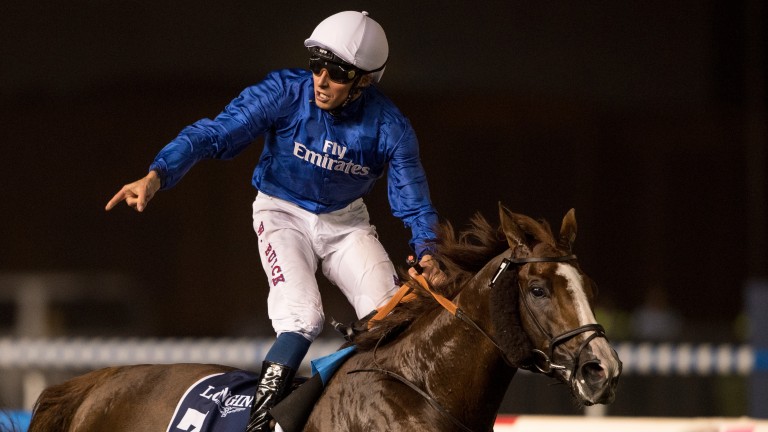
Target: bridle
[(541, 361)]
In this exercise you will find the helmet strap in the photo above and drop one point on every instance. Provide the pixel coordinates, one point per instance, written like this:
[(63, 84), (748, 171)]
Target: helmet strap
[(353, 91)]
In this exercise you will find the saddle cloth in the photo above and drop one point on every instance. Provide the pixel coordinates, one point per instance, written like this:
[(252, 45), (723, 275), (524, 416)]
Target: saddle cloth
[(222, 402), (219, 402)]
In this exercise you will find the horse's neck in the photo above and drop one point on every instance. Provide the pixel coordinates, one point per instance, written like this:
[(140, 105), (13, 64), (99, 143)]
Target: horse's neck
[(457, 365)]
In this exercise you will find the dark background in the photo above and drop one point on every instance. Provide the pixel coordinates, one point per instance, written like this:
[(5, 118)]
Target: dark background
[(647, 117)]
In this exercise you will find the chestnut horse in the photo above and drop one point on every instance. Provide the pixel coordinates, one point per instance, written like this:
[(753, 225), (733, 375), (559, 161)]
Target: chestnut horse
[(521, 300)]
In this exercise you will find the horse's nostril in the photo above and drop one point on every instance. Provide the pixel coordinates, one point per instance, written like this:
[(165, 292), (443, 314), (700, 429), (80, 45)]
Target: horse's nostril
[(593, 371)]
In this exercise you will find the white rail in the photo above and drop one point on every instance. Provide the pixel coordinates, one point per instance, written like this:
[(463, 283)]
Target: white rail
[(91, 353)]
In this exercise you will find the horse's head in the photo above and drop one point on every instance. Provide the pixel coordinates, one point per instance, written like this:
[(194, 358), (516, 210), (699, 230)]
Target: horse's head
[(555, 308)]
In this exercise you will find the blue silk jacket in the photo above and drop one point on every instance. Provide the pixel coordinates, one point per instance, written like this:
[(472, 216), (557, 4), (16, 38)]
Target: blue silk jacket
[(312, 158)]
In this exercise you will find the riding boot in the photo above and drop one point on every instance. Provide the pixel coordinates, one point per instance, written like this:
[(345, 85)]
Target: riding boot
[(274, 380)]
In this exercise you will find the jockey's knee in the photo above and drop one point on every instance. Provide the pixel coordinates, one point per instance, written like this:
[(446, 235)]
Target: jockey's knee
[(309, 324)]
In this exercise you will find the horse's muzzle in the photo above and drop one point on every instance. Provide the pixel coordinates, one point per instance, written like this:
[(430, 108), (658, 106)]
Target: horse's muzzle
[(596, 380)]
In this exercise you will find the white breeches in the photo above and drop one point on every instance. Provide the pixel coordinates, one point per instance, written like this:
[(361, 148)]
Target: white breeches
[(291, 243)]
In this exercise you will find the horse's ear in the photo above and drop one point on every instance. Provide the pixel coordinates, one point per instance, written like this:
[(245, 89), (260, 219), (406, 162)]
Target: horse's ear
[(513, 233), (568, 230)]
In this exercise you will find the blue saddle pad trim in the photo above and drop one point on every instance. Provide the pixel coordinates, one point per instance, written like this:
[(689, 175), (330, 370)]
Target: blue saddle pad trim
[(15, 420), (327, 366)]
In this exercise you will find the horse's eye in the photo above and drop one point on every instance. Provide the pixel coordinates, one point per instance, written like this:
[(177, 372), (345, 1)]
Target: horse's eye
[(538, 292)]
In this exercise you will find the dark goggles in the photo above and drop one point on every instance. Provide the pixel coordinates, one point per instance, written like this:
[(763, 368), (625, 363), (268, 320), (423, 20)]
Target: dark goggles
[(339, 73)]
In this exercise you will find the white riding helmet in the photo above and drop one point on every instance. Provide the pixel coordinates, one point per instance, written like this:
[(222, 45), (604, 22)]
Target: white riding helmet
[(355, 38)]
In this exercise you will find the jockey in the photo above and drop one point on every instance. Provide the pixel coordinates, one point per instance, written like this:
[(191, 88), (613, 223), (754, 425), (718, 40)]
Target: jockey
[(329, 134)]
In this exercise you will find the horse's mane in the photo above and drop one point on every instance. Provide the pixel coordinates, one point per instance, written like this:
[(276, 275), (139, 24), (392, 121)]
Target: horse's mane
[(462, 255)]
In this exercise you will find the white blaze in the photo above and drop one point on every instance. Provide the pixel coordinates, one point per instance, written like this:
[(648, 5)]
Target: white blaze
[(600, 347), (575, 288)]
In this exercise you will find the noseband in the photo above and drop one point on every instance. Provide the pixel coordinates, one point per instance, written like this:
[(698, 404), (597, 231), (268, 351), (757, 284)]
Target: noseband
[(542, 361)]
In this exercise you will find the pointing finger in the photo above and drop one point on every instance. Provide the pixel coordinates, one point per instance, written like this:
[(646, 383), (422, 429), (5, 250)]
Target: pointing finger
[(120, 196)]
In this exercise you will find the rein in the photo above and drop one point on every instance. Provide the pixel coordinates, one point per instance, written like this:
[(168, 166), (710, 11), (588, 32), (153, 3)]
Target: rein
[(405, 294)]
